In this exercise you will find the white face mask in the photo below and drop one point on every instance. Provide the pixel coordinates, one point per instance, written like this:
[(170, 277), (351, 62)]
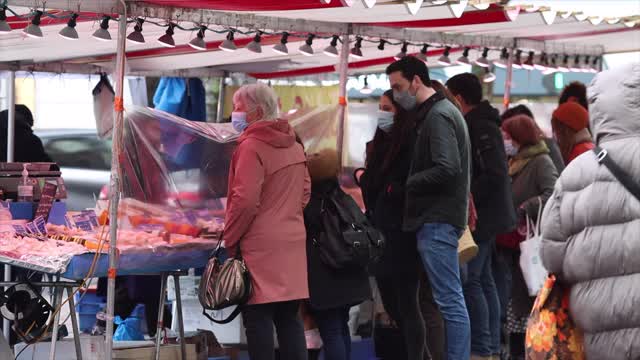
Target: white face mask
[(510, 149), (239, 120), (385, 120)]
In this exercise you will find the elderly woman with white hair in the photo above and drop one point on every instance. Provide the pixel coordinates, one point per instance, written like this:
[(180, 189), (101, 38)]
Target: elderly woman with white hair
[(269, 187)]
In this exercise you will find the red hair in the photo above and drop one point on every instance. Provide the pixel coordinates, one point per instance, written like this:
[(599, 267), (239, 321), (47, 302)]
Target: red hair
[(523, 130)]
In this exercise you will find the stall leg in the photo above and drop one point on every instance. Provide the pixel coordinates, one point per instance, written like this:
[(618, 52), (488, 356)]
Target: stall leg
[(11, 122), (183, 346), (163, 290), (74, 324), (56, 321)]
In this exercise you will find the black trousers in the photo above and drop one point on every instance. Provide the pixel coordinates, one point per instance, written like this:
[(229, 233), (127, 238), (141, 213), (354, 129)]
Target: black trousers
[(259, 321), (398, 279)]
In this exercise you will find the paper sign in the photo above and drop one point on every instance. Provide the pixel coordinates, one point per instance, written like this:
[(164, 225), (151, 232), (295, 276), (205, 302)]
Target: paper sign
[(150, 227), (191, 217), (41, 225), (91, 214), (68, 222), (82, 222), (31, 228), (20, 229), (46, 200), (205, 215)]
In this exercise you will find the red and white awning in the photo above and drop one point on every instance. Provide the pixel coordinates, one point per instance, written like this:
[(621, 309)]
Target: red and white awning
[(492, 27)]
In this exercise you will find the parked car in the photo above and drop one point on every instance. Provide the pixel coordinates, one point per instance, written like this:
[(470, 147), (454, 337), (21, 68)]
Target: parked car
[(85, 162)]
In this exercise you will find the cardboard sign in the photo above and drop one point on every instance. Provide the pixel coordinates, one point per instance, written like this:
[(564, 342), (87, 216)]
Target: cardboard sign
[(46, 200)]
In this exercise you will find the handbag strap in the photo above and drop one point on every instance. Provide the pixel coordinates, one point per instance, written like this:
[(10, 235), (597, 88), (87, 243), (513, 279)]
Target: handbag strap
[(618, 173), (234, 314)]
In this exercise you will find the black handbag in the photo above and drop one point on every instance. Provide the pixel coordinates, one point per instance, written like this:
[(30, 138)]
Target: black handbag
[(618, 173), (224, 284)]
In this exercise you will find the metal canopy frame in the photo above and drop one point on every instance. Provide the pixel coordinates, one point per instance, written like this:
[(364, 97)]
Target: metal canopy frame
[(261, 22)]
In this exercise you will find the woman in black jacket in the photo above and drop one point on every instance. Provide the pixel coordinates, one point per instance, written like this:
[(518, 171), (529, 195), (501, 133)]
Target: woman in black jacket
[(331, 292), (398, 272)]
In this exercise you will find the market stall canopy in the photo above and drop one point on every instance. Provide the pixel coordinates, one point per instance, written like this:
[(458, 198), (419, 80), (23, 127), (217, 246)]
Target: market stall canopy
[(562, 29)]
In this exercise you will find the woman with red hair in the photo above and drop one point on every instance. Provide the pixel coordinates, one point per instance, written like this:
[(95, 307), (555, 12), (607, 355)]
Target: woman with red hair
[(533, 177), (571, 128)]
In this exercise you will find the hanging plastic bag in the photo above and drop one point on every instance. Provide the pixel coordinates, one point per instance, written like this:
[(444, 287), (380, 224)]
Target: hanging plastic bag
[(129, 329), (103, 99), (533, 271)]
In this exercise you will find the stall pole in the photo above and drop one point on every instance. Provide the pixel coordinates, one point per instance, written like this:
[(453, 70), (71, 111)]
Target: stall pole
[(160, 323), (342, 95), (221, 99), (11, 126), (74, 324), (183, 346), (508, 81), (114, 186), (57, 295)]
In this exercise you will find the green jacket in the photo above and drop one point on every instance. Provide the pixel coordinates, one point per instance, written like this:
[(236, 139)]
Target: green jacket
[(439, 177)]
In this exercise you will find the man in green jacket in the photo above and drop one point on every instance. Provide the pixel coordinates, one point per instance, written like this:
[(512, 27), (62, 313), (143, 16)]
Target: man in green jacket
[(437, 192)]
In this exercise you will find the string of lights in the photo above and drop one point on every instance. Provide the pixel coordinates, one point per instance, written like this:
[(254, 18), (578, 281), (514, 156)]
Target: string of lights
[(548, 63)]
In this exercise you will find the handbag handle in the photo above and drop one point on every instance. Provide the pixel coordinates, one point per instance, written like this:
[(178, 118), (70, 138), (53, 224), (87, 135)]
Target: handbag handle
[(620, 175), (214, 252), (234, 314), (532, 226)]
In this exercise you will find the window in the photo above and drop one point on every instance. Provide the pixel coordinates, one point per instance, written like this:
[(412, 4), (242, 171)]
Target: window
[(84, 152)]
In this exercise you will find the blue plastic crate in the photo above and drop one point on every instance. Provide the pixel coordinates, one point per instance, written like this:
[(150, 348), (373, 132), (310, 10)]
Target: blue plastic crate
[(86, 302), (86, 322), (89, 308)]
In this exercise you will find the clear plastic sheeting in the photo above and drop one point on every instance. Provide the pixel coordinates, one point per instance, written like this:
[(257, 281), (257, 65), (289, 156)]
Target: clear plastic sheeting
[(316, 127), (167, 160)]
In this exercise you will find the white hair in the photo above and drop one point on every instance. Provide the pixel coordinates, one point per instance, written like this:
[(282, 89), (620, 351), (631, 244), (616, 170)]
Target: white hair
[(259, 95)]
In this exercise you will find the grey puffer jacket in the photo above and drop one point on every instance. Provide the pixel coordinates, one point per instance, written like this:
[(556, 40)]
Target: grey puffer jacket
[(591, 224)]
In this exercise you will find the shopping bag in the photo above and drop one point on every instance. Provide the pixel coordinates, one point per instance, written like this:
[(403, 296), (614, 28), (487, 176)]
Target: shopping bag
[(533, 271), (103, 99), (129, 329), (551, 333)]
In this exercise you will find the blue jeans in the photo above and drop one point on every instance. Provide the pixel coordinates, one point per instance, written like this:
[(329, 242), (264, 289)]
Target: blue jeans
[(482, 300), (333, 325), (438, 247)]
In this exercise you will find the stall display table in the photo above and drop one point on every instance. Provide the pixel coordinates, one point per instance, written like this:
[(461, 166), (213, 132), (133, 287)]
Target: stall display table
[(163, 263)]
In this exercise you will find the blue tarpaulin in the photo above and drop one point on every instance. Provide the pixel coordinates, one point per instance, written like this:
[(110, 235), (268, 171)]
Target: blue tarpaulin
[(182, 97)]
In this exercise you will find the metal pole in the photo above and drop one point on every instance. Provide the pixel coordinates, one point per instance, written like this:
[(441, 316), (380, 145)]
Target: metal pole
[(11, 126), (114, 189), (56, 322), (221, 98), (74, 323), (160, 324), (183, 345), (342, 96), (507, 85)]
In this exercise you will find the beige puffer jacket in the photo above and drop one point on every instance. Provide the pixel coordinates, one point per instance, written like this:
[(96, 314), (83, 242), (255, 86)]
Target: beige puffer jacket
[(591, 224)]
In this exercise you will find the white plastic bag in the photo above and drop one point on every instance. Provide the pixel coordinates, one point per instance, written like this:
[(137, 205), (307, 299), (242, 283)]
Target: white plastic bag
[(533, 271), (103, 98)]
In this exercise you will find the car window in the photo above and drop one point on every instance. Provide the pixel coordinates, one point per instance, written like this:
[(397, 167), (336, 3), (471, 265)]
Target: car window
[(82, 152)]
